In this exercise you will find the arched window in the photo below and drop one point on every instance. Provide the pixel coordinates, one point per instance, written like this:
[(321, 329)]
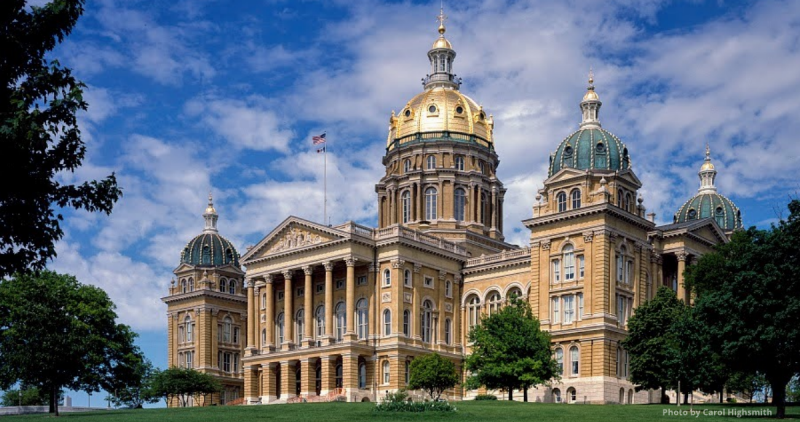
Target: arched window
[(362, 375), (408, 371), (574, 360), (362, 318), (628, 202), (427, 321), (514, 293), (263, 337), (494, 302), (431, 162), (386, 372), (459, 204), (223, 285), (338, 376), (459, 162), (569, 262), (473, 311), (341, 321), (189, 329), (448, 288), (406, 323), (227, 329), (387, 322), (561, 200), (279, 329), (264, 300), (619, 198), (319, 320), (407, 278), (232, 287), (405, 201), (485, 209), (448, 329), (556, 395), (206, 255), (299, 326), (430, 204), (720, 216), (621, 264), (560, 360), (406, 166), (184, 286), (572, 395), (191, 284), (630, 396), (387, 278), (576, 199)]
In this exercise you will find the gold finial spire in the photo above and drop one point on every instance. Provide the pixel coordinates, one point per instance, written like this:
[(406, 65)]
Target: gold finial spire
[(708, 152), (591, 76), (210, 208), (707, 164), (441, 18)]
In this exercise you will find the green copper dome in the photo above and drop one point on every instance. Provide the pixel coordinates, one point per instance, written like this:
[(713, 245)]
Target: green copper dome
[(590, 148), (210, 249), (711, 205)]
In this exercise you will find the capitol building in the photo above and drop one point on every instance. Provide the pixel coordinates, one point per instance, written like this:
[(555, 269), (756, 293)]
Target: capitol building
[(315, 312)]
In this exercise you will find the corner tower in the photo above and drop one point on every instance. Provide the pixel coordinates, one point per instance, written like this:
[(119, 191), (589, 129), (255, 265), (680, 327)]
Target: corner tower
[(441, 163)]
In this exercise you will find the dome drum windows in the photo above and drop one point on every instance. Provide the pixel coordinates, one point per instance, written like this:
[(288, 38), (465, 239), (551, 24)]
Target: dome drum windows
[(433, 111)]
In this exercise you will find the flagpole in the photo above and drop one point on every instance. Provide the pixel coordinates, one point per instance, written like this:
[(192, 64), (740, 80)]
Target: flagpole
[(325, 184)]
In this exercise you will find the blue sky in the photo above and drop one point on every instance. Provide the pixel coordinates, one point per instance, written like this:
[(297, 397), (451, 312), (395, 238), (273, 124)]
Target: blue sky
[(192, 96)]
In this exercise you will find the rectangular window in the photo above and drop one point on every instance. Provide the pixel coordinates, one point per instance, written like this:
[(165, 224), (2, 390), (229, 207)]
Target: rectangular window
[(361, 280), (219, 332), (556, 271), (619, 268), (226, 363), (580, 305), (264, 301), (280, 295), (236, 363), (448, 289), (629, 272), (190, 359), (181, 335), (320, 288), (580, 266), (569, 266), (407, 278), (569, 309), (556, 312), (235, 335), (340, 284), (428, 281), (300, 291), (622, 316)]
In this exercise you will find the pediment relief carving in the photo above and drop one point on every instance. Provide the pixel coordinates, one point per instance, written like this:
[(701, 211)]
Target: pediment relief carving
[(295, 237)]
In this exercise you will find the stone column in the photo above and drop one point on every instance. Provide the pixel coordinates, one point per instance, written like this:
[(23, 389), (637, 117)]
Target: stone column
[(288, 311), (268, 393), (612, 285), (398, 291), (374, 298), (681, 268), (442, 316), (457, 311), (328, 300), (308, 375), (308, 295), (494, 208), (328, 372), (416, 302), (270, 310), (287, 380), (251, 384), (349, 373), (350, 297), (252, 321)]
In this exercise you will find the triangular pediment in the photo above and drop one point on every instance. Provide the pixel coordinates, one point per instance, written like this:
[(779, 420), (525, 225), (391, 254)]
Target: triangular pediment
[(709, 230), (293, 233)]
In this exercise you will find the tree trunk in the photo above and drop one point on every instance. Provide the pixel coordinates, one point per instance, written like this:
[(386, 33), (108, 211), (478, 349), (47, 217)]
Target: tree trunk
[(779, 396), (510, 394), (54, 400), (720, 397), (525, 394), (664, 396), (685, 398)]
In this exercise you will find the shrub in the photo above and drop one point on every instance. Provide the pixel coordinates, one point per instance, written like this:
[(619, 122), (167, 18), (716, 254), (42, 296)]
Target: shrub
[(415, 407), (485, 397)]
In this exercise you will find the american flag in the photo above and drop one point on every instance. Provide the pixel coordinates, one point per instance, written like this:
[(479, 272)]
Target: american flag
[(319, 139)]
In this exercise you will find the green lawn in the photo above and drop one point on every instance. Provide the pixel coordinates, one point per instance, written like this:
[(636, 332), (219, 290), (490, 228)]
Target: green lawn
[(351, 412)]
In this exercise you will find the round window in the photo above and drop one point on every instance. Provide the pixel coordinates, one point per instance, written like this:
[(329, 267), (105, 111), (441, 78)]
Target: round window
[(568, 150), (408, 113), (692, 214), (459, 109), (432, 109), (600, 147), (719, 210)]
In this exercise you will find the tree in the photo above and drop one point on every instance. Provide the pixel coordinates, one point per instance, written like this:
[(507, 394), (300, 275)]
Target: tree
[(135, 388), (648, 337), (179, 384), (30, 396), (39, 137), (432, 373), (57, 333), (748, 295), (510, 351)]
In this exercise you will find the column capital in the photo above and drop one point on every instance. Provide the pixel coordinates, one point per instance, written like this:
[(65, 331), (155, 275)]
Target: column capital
[(268, 278), (417, 268), (397, 263), (287, 274), (442, 274), (588, 237), (249, 283), (351, 261), (307, 270), (682, 256), (328, 266)]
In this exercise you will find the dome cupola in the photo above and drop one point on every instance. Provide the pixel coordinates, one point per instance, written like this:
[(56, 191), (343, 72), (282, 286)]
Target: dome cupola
[(708, 203), (590, 147), (209, 248)]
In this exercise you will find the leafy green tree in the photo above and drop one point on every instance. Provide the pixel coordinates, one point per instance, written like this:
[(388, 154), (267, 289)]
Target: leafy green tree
[(39, 136), (134, 388), (748, 295), (57, 333), (31, 396), (509, 350), (179, 384), (648, 340), (432, 373)]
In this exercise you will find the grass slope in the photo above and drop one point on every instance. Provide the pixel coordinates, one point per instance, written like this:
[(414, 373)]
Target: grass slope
[(351, 412)]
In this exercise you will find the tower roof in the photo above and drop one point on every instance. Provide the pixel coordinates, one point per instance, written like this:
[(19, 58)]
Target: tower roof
[(209, 248)]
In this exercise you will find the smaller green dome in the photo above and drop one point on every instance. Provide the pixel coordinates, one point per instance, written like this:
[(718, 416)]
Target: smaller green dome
[(711, 205), (590, 148), (211, 250)]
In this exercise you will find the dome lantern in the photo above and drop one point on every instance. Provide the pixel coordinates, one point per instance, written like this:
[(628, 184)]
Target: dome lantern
[(210, 216), (441, 56), (707, 174), (209, 248), (590, 106)]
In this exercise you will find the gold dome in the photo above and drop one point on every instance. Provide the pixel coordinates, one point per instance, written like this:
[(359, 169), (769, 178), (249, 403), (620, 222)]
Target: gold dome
[(441, 109), (590, 95), (707, 166), (442, 42)]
